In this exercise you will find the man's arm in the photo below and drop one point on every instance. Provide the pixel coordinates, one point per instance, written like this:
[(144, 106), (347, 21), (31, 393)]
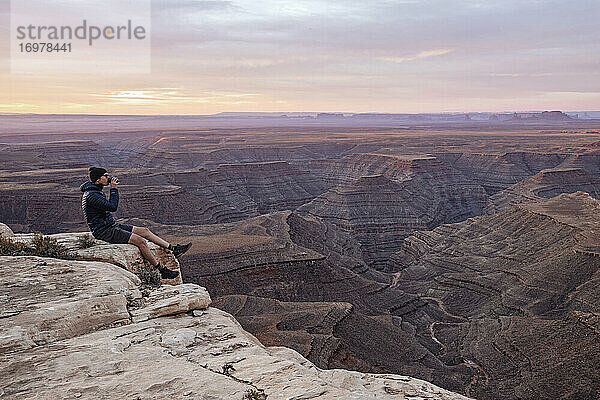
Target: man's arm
[(98, 201)]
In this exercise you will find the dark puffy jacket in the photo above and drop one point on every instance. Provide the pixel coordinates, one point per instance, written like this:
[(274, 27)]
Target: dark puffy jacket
[(96, 208)]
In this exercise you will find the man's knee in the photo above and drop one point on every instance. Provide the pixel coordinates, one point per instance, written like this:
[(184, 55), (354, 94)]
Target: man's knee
[(137, 240), (140, 230)]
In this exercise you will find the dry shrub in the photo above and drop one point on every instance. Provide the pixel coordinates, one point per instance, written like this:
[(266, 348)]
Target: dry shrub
[(86, 241), (149, 275), (9, 247), (45, 246), (253, 394), (41, 246)]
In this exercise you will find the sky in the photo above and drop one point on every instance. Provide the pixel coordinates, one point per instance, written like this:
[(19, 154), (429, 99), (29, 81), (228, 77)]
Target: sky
[(413, 56)]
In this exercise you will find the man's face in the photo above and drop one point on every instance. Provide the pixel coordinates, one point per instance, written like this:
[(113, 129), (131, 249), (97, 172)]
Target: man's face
[(103, 180)]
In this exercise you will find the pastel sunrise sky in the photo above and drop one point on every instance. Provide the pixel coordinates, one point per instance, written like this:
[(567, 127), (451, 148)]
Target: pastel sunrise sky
[(349, 56)]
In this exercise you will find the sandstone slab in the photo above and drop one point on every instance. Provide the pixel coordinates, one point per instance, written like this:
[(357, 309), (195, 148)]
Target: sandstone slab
[(47, 300), (171, 300), (126, 256)]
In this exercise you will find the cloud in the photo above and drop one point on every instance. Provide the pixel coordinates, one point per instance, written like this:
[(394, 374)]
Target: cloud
[(513, 75), (163, 96), (344, 55), (204, 5), (422, 54), (18, 106)]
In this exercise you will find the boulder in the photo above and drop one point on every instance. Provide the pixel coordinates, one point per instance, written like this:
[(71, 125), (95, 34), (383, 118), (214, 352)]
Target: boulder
[(47, 300), (84, 246), (5, 230)]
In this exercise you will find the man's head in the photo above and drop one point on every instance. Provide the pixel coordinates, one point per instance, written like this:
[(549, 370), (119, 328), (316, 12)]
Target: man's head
[(99, 176)]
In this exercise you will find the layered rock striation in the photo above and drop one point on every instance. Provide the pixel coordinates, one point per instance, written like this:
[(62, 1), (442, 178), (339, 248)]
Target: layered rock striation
[(544, 185), (254, 188), (381, 210), (496, 172), (349, 168), (519, 292)]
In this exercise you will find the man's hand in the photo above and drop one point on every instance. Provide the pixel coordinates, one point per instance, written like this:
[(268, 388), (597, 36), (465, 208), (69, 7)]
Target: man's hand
[(114, 182)]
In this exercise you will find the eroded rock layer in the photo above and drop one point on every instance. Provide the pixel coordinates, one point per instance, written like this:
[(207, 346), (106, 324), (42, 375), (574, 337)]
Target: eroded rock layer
[(254, 188), (496, 172), (544, 185), (337, 335), (521, 287), (379, 212), (355, 166)]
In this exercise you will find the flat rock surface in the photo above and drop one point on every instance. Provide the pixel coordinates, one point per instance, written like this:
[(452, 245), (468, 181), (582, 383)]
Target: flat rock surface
[(46, 300), (126, 256)]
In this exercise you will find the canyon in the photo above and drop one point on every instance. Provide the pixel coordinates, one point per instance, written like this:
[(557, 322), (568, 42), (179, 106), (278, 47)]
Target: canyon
[(461, 253)]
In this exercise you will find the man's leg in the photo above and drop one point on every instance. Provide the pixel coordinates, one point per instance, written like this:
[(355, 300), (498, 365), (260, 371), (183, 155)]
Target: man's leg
[(146, 233), (140, 242), (178, 250)]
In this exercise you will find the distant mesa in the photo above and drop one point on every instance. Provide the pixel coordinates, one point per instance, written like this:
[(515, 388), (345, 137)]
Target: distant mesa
[(330, 116), (544, 116)]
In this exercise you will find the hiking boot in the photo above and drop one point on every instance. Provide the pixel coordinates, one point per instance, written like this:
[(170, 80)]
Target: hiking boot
[(166, 273), (180, 249)]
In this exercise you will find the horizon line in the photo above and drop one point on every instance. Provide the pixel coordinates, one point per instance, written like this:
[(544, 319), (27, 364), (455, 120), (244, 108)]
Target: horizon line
[(297, 112)]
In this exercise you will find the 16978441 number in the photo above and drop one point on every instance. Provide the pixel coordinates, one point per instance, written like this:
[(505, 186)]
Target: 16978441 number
[(39, 47)]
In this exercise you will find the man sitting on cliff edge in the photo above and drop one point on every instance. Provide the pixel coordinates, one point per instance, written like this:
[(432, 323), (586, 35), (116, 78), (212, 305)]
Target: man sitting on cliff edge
[(97, 212)]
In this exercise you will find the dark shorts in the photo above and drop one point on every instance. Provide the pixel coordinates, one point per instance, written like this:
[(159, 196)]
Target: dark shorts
[(116, 234)]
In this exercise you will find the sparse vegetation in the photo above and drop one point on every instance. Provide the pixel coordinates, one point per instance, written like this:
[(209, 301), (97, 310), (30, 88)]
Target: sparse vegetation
[(10, 247), (41, 246), (86, 241), (253, 394), (226, 368), (45, 246), (149, 276)]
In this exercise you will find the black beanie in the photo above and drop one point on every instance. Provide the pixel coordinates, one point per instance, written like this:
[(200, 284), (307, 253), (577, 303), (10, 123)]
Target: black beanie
[(96, 173)]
